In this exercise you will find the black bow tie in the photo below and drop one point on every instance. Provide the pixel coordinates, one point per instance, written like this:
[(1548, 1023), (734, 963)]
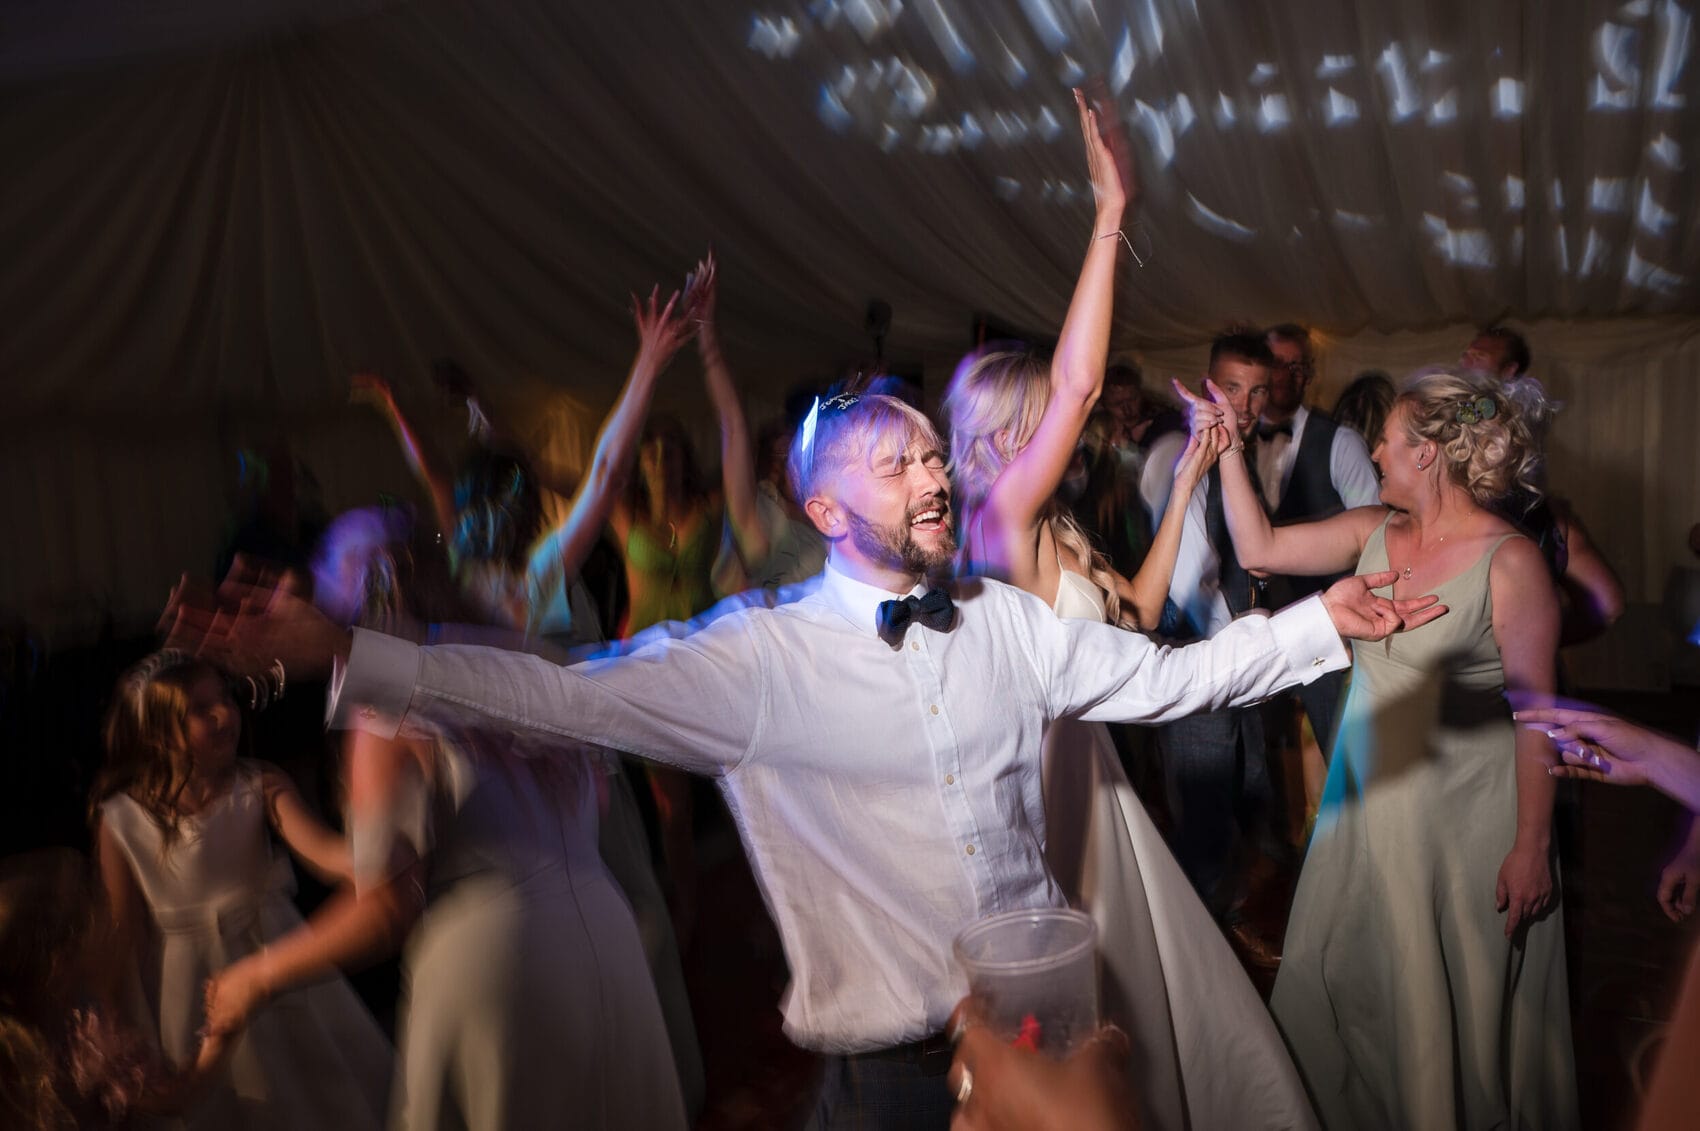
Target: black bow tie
[(1270, 431), (933, 610)]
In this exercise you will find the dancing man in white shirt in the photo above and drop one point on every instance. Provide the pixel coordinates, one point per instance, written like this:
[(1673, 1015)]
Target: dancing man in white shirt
[(878, 741)]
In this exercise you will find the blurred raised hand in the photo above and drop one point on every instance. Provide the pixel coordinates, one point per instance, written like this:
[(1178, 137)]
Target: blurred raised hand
[(1109, 157), (662, 328), (259, 615)]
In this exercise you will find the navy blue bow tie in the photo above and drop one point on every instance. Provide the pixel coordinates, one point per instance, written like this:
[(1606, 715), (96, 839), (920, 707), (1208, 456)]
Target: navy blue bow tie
[(934, 610)]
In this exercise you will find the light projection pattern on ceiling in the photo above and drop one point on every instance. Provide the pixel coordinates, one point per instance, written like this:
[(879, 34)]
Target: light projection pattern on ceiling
[(942, 77)]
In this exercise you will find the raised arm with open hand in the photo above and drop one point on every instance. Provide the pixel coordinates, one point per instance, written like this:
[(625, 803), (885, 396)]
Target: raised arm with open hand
[(737, 458), (376, 391), (1009, 518), (662, 329)]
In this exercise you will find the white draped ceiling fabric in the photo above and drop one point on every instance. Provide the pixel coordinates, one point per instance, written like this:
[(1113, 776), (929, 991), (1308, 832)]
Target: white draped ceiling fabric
[(214, 213)]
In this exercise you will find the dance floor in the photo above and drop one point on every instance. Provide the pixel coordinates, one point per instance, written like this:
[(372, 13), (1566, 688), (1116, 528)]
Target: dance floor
[(1625, 956)]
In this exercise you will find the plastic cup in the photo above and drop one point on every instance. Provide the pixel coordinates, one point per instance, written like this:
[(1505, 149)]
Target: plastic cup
[(1035, 974)]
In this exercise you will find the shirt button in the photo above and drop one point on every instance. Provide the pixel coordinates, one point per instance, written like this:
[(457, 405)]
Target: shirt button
[(950, 779), (915, 645), (970, 850), (935, 708)]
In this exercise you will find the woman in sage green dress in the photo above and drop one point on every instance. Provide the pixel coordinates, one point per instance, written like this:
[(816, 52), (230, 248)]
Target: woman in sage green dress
[(1423, 984)]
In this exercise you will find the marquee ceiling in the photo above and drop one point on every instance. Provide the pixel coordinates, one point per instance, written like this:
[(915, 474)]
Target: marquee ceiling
[(238, 205)]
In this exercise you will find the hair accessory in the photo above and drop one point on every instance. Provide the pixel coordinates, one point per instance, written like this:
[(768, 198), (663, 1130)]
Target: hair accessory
[(148, 670), (1476, 410), (838, 402), (809, 422)]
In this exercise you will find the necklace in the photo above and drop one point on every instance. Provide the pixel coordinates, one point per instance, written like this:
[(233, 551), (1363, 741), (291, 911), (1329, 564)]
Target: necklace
[(1406, 572)]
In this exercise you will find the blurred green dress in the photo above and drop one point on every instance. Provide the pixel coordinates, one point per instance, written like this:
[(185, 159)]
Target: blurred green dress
[(1402, 1001)]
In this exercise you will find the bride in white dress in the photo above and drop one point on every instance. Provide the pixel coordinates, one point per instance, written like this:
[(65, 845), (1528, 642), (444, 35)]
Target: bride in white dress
[(1169, 978)]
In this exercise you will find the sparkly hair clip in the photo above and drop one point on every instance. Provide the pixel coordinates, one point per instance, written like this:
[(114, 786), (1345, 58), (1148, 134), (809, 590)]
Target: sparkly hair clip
[(809, 423), (1477, 409), (838, 402)]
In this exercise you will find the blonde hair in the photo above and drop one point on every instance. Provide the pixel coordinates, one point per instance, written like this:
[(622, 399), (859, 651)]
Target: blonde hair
[(146, 725), (845, 428), (995, 402), (1487, 430)]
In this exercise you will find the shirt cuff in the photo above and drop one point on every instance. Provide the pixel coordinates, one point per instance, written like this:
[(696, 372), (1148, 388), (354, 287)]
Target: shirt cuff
[(371, 690), (1305, 634)]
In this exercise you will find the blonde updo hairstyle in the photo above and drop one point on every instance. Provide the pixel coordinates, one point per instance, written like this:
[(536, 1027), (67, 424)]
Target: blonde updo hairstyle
[(995, 402), (1491, 452)]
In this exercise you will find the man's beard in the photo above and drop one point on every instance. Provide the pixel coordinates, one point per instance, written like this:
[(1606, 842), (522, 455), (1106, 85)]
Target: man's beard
[(895, 546)]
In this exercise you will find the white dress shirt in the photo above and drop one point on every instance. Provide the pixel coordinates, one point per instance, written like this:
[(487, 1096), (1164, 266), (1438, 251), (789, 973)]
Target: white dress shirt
[(1350, 469), (1196, 583), (1157, 474), (887, 797)]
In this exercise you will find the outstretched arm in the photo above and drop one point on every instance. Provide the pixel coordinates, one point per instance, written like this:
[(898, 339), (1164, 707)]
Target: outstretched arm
[(662, 329), (1307, 548), (352, 928), (316, 844), (430, 474), (1027, 483), (1097, 672)]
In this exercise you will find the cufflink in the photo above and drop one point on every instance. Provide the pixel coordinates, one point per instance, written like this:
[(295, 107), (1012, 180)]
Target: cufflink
[(372, 712), (1318, 662)]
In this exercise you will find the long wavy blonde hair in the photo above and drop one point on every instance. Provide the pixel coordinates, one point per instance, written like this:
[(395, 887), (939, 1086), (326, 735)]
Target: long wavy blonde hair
[(995, 402)]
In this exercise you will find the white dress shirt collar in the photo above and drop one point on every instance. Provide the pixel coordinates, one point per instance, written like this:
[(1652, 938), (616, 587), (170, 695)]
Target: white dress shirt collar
[(1300, 415), (857, 601)]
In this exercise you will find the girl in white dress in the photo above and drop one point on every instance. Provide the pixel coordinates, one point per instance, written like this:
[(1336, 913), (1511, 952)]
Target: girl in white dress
[(1169, 978), (193, 884)]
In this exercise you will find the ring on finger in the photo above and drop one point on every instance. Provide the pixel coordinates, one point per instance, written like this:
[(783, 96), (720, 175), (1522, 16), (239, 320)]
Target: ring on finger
[(966, 1088)]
